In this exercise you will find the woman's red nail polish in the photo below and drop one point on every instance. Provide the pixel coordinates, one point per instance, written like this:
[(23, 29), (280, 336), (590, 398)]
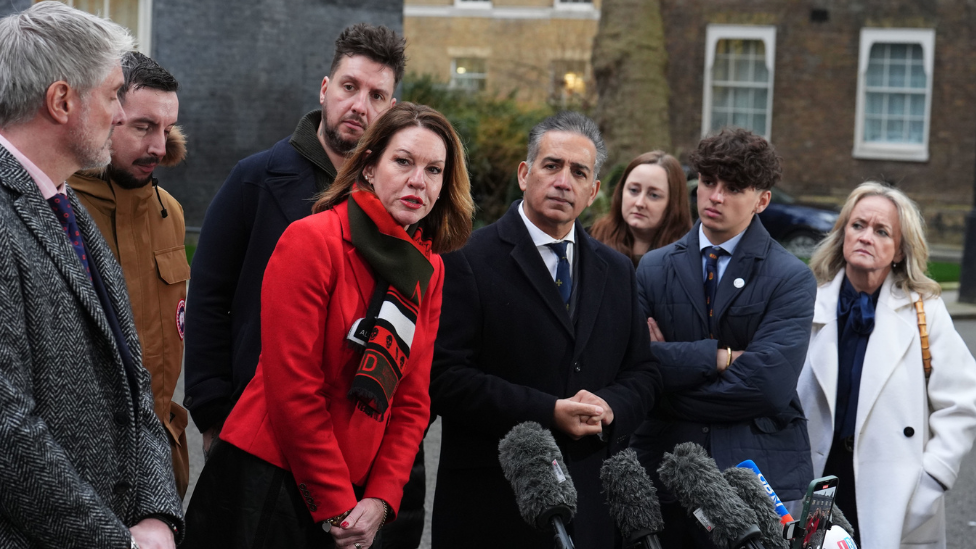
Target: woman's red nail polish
[(345, 525)]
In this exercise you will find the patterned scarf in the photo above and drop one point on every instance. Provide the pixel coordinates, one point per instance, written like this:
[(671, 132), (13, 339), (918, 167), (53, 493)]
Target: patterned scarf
[(403, 271)]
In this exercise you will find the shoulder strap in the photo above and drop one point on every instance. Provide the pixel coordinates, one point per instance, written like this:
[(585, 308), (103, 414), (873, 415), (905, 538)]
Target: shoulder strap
[(923, 332)]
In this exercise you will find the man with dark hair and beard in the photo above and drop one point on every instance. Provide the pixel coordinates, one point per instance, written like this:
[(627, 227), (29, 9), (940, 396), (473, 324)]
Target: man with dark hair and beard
[(143, 226), (263, 195)]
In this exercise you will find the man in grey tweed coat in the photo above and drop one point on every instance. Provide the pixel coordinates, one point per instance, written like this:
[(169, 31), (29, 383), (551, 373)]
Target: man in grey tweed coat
[(84, 461)]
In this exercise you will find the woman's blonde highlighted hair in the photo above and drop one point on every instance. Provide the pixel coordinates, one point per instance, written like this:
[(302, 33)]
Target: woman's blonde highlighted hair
[(909, 273), (448, 224)]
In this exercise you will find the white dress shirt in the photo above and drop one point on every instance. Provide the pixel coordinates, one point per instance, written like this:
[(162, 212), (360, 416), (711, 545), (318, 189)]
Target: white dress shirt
[(723, 260), (542, 240)]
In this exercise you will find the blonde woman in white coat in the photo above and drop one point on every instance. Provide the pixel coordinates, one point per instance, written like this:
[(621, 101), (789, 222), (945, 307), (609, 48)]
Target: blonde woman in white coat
[(895, 441)]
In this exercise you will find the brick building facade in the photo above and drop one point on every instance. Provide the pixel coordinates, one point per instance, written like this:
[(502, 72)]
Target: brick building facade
[(538, 48), (910, 64)]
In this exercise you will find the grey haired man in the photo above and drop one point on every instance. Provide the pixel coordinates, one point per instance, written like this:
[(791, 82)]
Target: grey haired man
[(84, 460)]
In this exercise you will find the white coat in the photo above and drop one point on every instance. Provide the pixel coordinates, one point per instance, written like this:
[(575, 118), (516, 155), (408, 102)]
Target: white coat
[(906, 438)]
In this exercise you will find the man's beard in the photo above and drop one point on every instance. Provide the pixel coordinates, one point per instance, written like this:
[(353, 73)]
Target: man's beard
[(88, 153), (332, 137), (125, 179)]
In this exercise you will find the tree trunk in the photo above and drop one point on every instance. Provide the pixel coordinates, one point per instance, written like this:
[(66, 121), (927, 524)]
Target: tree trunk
[(630, 66)]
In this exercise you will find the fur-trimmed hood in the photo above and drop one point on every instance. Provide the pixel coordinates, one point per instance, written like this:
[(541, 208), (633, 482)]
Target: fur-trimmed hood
[(175, 148)]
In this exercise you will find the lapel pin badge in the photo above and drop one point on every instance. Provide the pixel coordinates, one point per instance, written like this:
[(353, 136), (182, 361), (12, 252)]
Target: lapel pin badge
[(738, 283)]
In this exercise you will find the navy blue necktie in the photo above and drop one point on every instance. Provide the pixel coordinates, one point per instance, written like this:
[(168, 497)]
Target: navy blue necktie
[(711, 283), (564, 280), (62, 209)]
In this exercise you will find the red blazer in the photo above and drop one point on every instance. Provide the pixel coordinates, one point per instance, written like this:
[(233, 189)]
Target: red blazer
[(295, 413)]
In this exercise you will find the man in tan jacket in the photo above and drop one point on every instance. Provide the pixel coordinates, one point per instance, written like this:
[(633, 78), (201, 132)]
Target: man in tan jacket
[(144, 228)]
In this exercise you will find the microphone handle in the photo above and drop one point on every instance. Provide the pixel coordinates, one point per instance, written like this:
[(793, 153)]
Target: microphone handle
[(563, 541)]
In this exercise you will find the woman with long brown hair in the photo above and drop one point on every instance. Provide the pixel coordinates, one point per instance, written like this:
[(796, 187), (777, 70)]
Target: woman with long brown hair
[(649, 208), (319, 446)]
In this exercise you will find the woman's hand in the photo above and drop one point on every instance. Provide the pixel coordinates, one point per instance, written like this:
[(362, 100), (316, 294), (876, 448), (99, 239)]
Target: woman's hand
[(361, 525)]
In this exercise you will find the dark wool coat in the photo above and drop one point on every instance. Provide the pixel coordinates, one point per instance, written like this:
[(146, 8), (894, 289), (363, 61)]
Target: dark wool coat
[(764, 306), (506, 351), (82, 458), (264, 194)]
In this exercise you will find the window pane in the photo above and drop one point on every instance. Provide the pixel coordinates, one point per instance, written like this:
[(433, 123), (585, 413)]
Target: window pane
[(743, 99), (721, 96), (875, 74), (759, 124), (895, 130), (761, 74), (742, 62), (719, 119), (915, 131), (469, 74), (125, 13), (720, 70), (896, 75), (918, 76), (878, 52), (896, 104), (469, 65), (741, 72), (872, 129), (897, 51), (759, 99), (91, 6), (875, 103), (917, 105)]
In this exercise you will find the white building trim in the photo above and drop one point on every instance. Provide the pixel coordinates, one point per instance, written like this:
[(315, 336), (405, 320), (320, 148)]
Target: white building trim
[(585, 12)]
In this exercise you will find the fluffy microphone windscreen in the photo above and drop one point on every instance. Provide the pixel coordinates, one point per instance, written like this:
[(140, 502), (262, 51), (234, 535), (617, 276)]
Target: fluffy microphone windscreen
[(837, 517), (534, 466), (631, 495), (747, 485), (693, 477)]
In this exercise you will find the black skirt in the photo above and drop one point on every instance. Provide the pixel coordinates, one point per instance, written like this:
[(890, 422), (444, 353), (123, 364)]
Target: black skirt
[(241, 501)]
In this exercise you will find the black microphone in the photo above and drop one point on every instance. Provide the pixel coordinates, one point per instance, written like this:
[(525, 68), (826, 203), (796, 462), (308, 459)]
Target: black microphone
[(748, 487), (693, 477), (534, 466), (632, 499)]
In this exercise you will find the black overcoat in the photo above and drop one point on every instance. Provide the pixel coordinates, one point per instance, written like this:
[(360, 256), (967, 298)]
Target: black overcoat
[(506, 351)]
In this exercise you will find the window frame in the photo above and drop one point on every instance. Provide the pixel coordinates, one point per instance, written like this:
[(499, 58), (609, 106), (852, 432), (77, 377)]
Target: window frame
[(714, 33), (879, 150), (558, 93), (454, 75), (568, 5), (143, 32), (473, 4)]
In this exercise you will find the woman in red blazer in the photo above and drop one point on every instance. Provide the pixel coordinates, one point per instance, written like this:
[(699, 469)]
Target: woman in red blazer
[(323, 438)]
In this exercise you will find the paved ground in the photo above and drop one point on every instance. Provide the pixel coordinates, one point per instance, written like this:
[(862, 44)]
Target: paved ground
[(961, 502)]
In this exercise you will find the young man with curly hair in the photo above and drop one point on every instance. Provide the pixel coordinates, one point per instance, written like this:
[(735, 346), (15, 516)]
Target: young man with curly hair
[(729, 313)]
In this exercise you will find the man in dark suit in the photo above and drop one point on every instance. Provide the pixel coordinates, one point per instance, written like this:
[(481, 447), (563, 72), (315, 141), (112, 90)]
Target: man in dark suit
[(729, 312), (539, 322), (261, 197), (84, 461)]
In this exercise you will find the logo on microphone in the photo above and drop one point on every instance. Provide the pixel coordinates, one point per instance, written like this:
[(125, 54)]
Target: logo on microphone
[(559, 472)]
